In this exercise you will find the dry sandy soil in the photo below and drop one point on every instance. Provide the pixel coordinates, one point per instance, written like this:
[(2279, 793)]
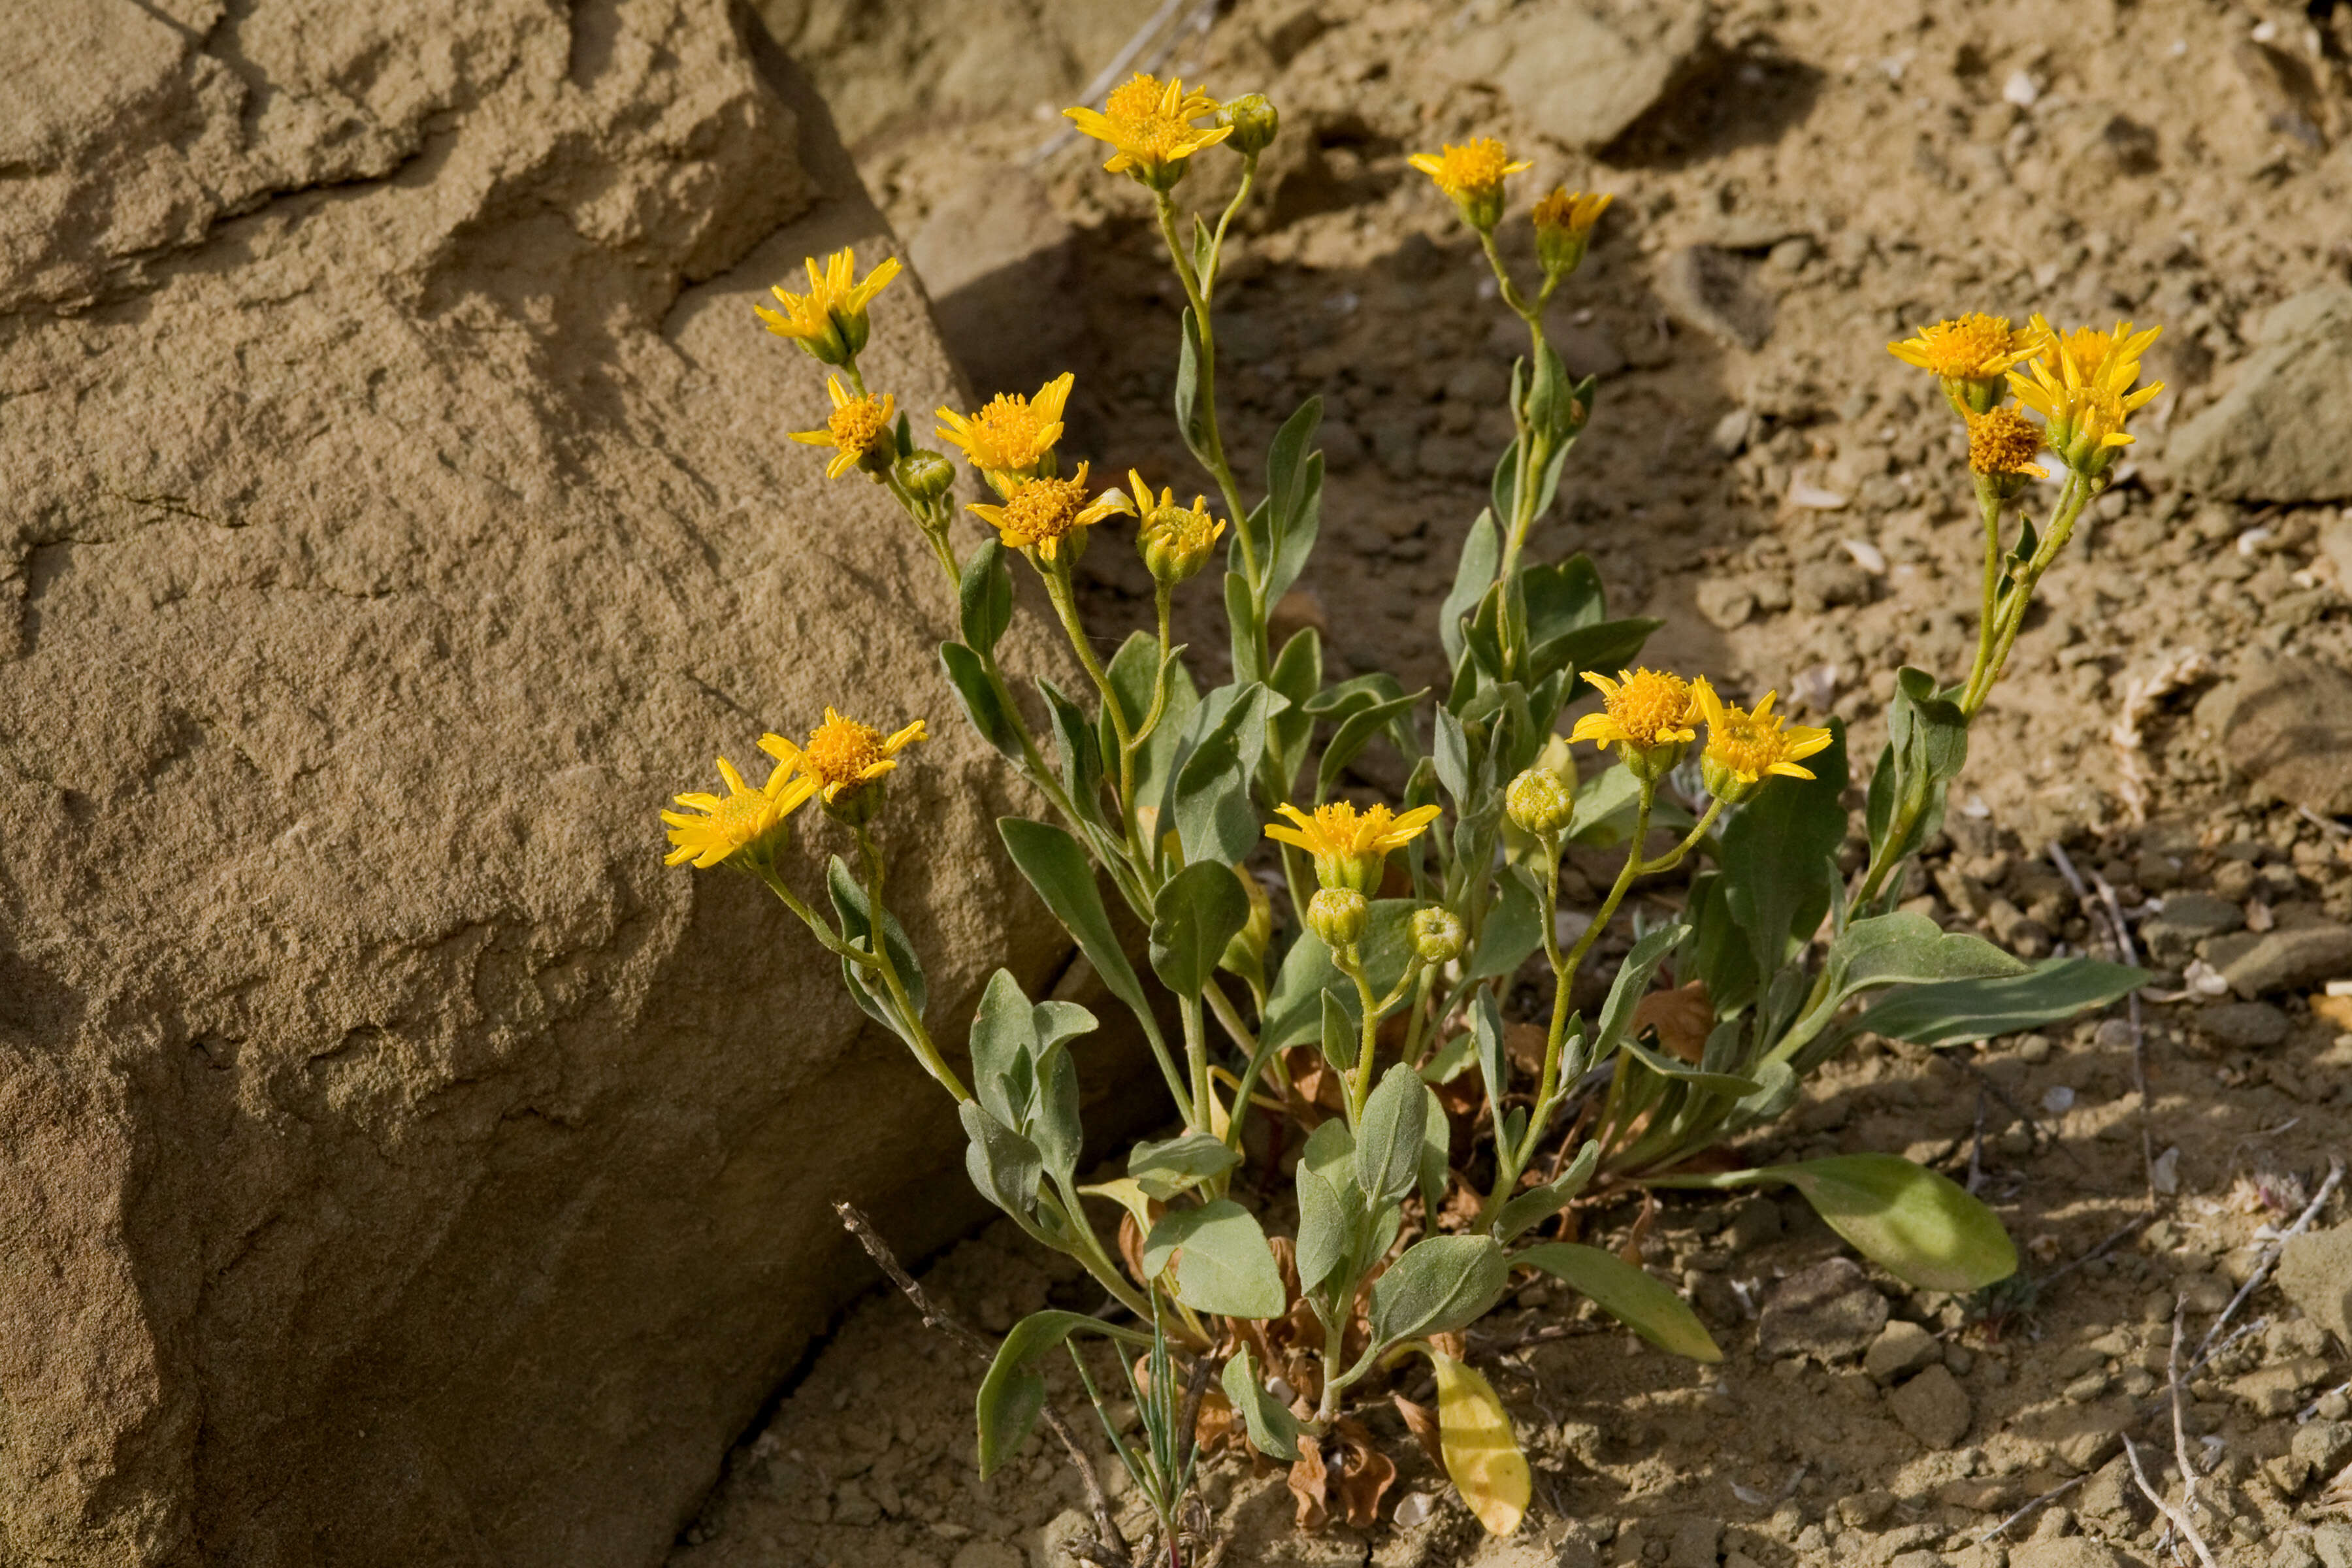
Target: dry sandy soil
[(1807, 181)]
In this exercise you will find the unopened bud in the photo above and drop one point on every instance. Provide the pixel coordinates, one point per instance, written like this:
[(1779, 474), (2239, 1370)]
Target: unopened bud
[(1437, 936), (1245, 954), (1254, 122), (1539, 803), (926, 475), (1336, 915), (1176, 541)]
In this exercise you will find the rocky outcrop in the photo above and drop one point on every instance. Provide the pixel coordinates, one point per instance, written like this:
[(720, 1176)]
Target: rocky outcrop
[(2283, 430), (398, 1163)]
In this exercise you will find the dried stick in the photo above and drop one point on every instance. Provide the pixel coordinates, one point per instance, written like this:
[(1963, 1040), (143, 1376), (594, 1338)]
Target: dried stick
[(2271, 1254), (2179, 1428), (2111, 914), (2178, 1518), (858, 1225), (2053, 1495)]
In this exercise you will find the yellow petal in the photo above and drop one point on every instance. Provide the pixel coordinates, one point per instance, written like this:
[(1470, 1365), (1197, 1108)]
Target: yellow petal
[(1474, 1432)]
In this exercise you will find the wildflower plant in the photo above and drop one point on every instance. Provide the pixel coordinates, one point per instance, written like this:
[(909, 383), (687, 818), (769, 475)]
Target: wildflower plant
[(1332, 963)]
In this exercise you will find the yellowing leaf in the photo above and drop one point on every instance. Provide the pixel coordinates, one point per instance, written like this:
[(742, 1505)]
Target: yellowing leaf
[(1481, 1455)]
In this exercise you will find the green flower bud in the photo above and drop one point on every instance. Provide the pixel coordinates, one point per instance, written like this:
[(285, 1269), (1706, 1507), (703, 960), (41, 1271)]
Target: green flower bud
[(1539, 803), (1254, 122), (1245, 954), (926, 475), (1336, 915), (1437, 936)]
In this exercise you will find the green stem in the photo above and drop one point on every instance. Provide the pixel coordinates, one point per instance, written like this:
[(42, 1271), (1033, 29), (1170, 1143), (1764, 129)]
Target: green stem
[(1058, 588), (1254, 1052), (2065, 514), (1217, 244), (824, 933), (1196, 1058), (1988, 505), (918, 1036), (1214, 458)]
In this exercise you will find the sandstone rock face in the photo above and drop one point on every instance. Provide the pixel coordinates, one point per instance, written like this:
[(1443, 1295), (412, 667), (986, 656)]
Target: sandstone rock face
[(1583, 72), (400, 1164), (2284, 431)]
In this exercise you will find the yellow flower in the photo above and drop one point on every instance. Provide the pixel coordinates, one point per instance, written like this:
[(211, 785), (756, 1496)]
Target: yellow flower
[(1011, 436), (1044, 511), (841, 758), (1175, 540), (2081, 384), (1472, 175), (1350, 847), (743, 819), (856, 426), (1643, 708), (1970, 354), (829, 320), (2002, 444), (1150, 128), (1564, 221), (1743, 749)]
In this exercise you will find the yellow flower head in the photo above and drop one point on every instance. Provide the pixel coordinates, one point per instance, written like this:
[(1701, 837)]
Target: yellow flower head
[(858, 427), (1970, 354), (1350, 846), (1743, 749), (1148, 125), (829, 320), (842, 757), (1643, 709), (744, 821), (2001, 444), (1175, 540), (1472, 175), (1564, 221), (1011, 436), (2081, 384), (1045, 511)]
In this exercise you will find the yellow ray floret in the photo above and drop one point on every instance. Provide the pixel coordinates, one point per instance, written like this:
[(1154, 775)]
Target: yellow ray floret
[(1350, 846), (841, 754), (1752, 747), (857, 426), (1148, 125), (2081, 384), (1175, 540), (715, 828), (1643, 708), (829, 320), (1973, 347), (1044, 512), (1472, 171), (2004, 442), (1011, 434), (1574, 211)]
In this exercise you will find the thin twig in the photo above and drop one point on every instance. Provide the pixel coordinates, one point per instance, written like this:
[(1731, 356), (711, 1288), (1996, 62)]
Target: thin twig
[(2109, 913), (1976, 1146), (2180, 1427), (858, 1225), (2272, 1253), (2053, 1495), (2178, 1520)]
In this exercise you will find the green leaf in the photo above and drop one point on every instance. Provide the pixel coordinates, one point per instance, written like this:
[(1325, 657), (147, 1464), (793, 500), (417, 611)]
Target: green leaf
[(1493, 1055), (1438, 1285), (1911, 950), (1389, 1135), (1198, 911), (1011, 1394), (1003, 1164), (1003, 1043), (1240, 623), (1355, 732), (1606, 805), (982, 705), (1526, 1210), (1058, 869), (1482, 551), (1222, 1263), (1297, 678), (1665, 1066), (1435, 1173), (1954, 1012), (872, 998), (1323, 1227), (1628, 1294), (1293, 494), (1294, 1008), (1611, 645), (984, 597), (1214, 817), (1633, 979), (1055, 1126), (1513, 930), (1273, 1429), (1133, 672), (1082, 762), (1188, 422), (1779, 854), (1164, 1170), (1331, 1152), (1917, 1226), (1339, 1038)]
